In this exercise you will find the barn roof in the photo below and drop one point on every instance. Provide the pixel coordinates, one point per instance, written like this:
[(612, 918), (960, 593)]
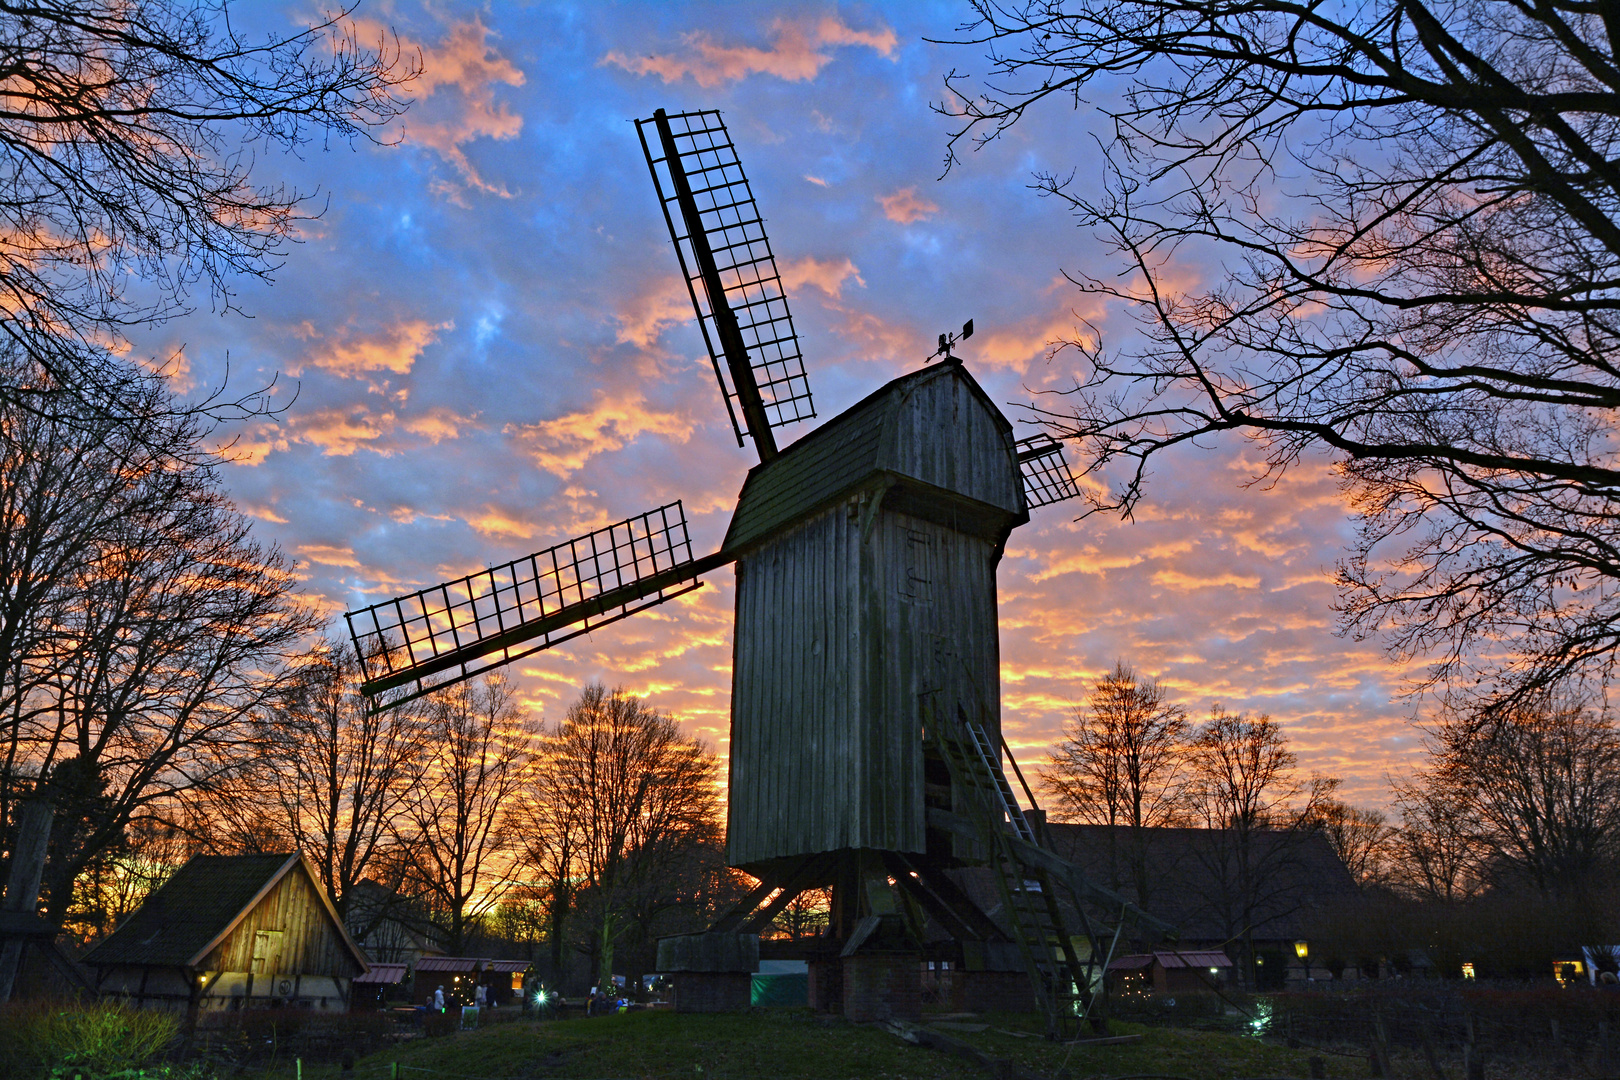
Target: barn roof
[(847, 453), (196, 908)]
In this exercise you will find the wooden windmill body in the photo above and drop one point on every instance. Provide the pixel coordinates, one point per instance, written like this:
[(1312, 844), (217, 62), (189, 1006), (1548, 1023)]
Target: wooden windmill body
[(866, 583), (866, 749)]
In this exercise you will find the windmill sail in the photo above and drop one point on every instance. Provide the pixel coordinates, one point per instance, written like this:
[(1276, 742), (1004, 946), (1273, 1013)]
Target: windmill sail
[(1047, 478), (730, 272), (435, 637)]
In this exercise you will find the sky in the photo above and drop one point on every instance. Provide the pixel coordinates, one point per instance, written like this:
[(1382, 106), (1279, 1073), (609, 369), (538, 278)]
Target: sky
[(483, 347)]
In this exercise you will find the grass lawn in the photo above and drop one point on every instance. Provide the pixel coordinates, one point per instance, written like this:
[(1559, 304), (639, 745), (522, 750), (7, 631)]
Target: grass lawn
[(790, 1044)]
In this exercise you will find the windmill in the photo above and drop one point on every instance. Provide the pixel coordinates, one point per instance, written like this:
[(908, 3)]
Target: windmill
[(866, 749)]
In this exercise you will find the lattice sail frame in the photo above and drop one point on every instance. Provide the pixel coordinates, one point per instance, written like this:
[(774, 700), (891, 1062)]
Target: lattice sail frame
[(435, 637), (750, 283), (1047, 478)]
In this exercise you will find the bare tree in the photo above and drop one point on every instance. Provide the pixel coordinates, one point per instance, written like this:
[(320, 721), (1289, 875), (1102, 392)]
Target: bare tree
[(1121, 764), (1545, 781), (455, 832), (342, 773), (637, 799), (1414, 208), (1247, 794), (1438, 851), (127, 139), (1361, 838), (142, 627)]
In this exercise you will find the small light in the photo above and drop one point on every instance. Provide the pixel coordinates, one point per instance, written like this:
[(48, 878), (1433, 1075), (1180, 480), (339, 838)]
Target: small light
[(1214, 971), (1301, 949), (1468, 971)]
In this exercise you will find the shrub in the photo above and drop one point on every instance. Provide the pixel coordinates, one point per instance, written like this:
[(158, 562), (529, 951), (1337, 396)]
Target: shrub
[(102, 1038)]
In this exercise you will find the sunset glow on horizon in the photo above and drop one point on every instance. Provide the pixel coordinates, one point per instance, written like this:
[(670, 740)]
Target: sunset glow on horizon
[(484, 347)]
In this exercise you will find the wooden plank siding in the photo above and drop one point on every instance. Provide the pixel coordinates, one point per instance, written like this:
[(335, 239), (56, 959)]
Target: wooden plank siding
[(308, 941), (847, 616)]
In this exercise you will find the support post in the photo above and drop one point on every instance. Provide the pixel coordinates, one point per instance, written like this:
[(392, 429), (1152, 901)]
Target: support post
[(22, 883)]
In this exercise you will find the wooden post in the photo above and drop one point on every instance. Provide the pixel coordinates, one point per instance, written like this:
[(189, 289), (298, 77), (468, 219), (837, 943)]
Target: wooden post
[(22, 883)]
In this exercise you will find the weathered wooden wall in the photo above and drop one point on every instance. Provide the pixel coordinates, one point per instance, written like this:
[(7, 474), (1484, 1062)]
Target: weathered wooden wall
[(308, 943), (846, 620)]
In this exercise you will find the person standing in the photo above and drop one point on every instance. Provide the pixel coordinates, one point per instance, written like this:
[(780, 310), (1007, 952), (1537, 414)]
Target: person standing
[(438, 999)]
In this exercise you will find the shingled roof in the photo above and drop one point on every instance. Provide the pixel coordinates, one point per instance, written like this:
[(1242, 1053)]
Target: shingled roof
[(849, 452), (194, 910)]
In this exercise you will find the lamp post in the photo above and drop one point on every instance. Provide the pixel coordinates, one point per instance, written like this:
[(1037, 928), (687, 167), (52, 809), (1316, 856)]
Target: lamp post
[(1303, 951)]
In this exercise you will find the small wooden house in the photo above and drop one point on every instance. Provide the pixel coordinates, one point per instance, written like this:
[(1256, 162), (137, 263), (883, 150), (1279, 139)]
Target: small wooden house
[(231, 932), (866, 558), (1170, 971)]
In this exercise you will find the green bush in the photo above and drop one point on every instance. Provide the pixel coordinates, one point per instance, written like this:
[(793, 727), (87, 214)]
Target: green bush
[(104, 1039)]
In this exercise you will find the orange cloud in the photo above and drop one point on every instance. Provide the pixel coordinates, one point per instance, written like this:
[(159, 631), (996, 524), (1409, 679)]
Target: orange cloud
[(436, 425), (329, 555), (828, 276), (455, 99), (648, 314), (797, 53), (338, 432), (495, 523), (563, 446), (905, 206), (392, 349)]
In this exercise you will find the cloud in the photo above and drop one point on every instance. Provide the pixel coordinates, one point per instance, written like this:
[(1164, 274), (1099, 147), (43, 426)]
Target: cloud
[(330, 555), (352, 354), (338, 432), (455, 99), (827, 275), (645, 315), (563, 446), (905, 206), (493, 522), (1182, 581), (437, 424), (797, 53)]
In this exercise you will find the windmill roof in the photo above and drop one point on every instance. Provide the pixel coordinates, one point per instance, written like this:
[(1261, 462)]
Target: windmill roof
[(196, 908), (853, 450)]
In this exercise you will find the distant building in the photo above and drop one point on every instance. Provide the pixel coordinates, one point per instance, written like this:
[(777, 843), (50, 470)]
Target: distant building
[(231, 932), (1169, 971), (1218, 894), (387, 925)]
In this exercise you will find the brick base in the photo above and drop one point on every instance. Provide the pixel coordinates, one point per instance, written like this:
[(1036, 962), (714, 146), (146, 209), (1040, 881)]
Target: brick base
[(827, 985), (712, 991), (991, 991), (883, 986)]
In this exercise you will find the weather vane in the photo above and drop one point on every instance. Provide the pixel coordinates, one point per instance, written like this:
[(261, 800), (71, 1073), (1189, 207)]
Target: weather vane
[(947, 342)]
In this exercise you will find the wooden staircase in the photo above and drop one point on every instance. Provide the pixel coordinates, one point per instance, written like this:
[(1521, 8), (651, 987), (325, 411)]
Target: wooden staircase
[(1043, 931)]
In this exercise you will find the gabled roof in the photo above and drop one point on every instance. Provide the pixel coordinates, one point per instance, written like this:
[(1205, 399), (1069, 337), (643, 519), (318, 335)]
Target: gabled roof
[(199, 906), (853, 450)]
